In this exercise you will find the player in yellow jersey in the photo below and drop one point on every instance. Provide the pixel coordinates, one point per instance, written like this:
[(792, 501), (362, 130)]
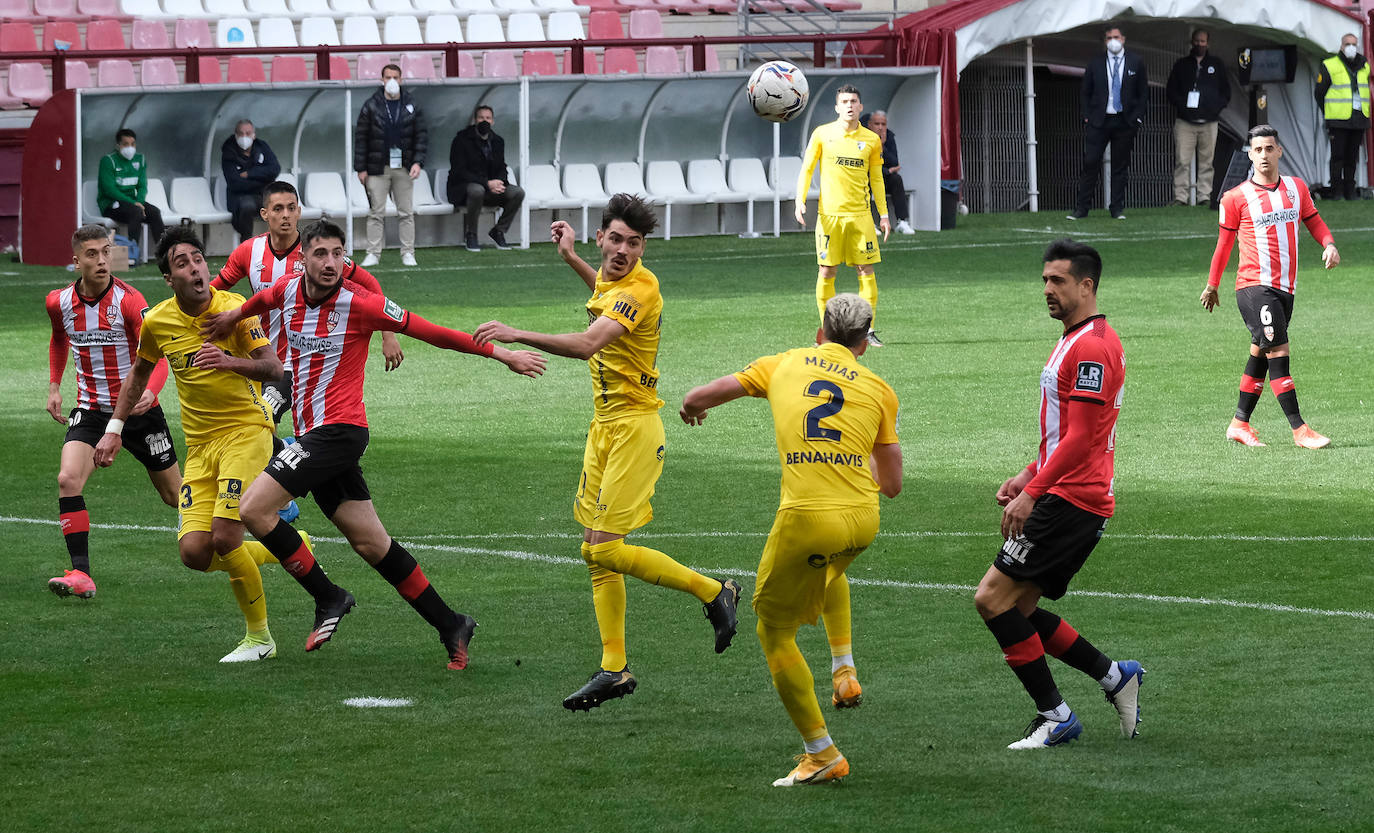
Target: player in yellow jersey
[(625, 444), (851, 160), (836, 428), (227, 423)]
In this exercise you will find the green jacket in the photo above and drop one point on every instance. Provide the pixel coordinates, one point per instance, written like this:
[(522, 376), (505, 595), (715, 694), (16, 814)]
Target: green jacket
[(121, 180)]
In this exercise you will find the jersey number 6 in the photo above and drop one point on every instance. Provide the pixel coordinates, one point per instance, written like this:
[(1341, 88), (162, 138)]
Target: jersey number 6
[(814, 429)]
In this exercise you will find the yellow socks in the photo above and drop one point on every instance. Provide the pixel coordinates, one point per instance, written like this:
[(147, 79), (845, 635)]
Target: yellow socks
[(608, 599), (793, 680), (246, 582), (825, 290), (260, 554), (835, 616), (868, 290), (652, 566)]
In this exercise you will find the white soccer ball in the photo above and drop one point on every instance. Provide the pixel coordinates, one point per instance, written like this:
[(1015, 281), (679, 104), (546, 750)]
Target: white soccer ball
[(777, 91)]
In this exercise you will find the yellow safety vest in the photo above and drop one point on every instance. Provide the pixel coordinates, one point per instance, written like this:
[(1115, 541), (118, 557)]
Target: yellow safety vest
[(1342, 97)]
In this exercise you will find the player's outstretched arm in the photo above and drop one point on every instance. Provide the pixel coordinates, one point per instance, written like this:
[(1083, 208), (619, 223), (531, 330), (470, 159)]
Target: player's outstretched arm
[(262, 365), (131, 391), (524, 362), (703, 398), (563, 237), (581, 345), (887, 468)]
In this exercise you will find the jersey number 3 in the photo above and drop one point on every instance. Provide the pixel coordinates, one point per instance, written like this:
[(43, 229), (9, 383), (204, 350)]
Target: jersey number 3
[(814, 430)]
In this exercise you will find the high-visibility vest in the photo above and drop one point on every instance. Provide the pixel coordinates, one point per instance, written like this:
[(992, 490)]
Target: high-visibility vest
[(1342, 97)]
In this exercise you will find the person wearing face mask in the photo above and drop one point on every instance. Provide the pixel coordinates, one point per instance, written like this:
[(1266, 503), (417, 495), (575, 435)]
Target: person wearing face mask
[(1343, 94), (1115, 94), (477, 177), (122, 188), (1198, 90), (249, 166), (389, 146)]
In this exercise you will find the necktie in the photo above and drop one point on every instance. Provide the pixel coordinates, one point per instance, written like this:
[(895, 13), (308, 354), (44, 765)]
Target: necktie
[(1116, 84)]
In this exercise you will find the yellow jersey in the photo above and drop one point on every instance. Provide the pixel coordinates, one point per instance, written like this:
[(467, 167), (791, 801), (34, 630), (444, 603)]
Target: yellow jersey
[(625, 372), (851, 166), (828, 413), (212, 401)]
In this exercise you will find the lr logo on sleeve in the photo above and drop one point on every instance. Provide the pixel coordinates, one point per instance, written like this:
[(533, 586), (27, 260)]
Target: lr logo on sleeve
[(1089, 377), (393, 311)]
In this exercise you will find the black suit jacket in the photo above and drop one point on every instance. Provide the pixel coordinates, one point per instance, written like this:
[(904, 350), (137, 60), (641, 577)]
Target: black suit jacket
[(1135, 89), (467, 163)]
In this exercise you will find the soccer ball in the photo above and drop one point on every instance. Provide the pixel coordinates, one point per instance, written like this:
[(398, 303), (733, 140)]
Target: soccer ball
[(777, 91)]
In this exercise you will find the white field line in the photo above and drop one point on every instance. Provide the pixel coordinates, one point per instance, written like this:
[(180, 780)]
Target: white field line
[(522, 555)]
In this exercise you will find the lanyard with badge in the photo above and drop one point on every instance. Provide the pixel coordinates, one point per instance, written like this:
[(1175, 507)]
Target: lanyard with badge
[(395, 160)]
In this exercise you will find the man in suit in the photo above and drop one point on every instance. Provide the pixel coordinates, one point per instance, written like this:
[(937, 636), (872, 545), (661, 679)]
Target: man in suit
[(1115, 94), (477, 177)]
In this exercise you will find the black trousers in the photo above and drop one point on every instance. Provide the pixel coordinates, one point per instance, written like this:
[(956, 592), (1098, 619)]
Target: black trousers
[(134, 217), (896, 191), (479, 195), (244, 207), (1345, 158), (1119, 133)]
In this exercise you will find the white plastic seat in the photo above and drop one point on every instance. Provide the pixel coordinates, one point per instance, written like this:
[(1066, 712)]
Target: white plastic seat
[(514, 6), (788, 169), (191, 199), (234, 31), (143, 9), (319, 31), (581, 182), (392, 7), (357, 194), (484, 28), (268, 8), (343, 8), (90, 209), (157, 195), (524, 26), (441, 185), (707, 177), (625, 178), (226, 8), (402, 29), (443, 28), (360, 31), (183, 9), (308, 212), (746, 177), (276, 31), (558, 5), (565, 26), (470, 7), (429, 7), (325, 190), (666, 186), (307, 8), (423, 199)]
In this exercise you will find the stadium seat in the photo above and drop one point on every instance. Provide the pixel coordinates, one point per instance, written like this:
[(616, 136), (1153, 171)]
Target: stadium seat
[(499, 63), (392, 7), (268, 8), (210, 70), (370, 65), (706, 177), (357, 195), (308, 212), (524, 26), (157, 195), (665, 185), (484, 28), (624, 178), (57, 32), (150, 34), (619, 59), (158, 72), (441, 186), (581, 182), (350, 7), (276, 32), (90, 209), (28, 82), (18, 10), (310, 8), (319, 31), (245, 69), (142, 9), (443, 28), (543, 192), (423, 199), (565, 26), (183, 9), (538, 62), (747, 178), (325, 190), (646, 23), (79, 76), (98, 9), (115, 72), (557, 6), (360, 31), (662, 60), (603, 24), (433, 7), (470, 7), (193, 33), (785, 178), (55, 9), (234, 31), (225, 8), (338, 69), (105, 34), (402, 29), (589, 65), (418, 65), (467, 65), (514, 6), (289, 68), (16, 36), (191, 199), (712, 59)]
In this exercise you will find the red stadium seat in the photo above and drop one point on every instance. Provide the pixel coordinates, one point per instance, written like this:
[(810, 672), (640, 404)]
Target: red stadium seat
[(16, 36), (115, 72), (158, 72), (105, 34), (619, 59), (603, 24), (29, 82), (712, 59), (646, 23), (61, 31), (17, 10), (589, 65), (193, 32), (289, 68), (338, 69), (418, 65), (150, 34), (56, 9), (99, 8), (79, 76), (662, 60), (538, 62), (210, 72), (499, 64), (467, 65), (370, 65), (246, 70)]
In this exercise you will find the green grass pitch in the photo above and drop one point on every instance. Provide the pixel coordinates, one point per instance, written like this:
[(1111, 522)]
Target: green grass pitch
[(1239, 577)]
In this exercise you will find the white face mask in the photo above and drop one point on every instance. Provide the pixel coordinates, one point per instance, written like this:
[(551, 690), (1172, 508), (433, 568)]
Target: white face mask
[(392, 87), (1114, 46), (245, 142), (127, 151), (1348, 51)]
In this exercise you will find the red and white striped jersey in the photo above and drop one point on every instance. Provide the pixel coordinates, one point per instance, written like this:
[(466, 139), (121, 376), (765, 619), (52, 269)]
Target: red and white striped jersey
[(1080, 397), (102, 334), (1266, 219), (255, 260), (327, 345)]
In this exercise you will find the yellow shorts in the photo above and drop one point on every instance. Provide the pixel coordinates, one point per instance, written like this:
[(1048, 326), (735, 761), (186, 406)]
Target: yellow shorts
[(806, 549), (847, 239), (218, 473), (620, 468)]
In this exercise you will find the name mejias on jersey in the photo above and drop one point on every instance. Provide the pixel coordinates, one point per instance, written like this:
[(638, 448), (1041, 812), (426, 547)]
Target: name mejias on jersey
[(255, 260), (1081, 389), (1266, 221), (102, 334)]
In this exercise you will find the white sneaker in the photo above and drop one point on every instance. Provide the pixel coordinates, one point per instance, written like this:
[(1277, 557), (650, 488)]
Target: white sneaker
[(1043, 733), (1125, 698), (370, 260), (408, 259), (903, 227), (252, 648)]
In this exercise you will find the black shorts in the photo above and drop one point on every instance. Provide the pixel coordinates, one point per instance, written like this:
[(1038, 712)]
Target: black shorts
[(1055, 543), (277, 395), (145, 436), (324, 464), (1266, 313)]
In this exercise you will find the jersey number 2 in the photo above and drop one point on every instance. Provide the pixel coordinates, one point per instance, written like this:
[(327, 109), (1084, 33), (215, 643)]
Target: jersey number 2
[(814, 429)]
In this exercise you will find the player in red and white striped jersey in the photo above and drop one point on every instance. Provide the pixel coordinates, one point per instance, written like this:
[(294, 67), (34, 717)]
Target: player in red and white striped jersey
[(327, 321), (97, 320), (1264, 212), (1057, 507)]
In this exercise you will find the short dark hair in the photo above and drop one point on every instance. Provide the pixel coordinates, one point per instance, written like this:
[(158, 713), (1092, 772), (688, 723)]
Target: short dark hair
[(479, 108), (321, 230), (281, 186), (90, 231), (1084, 261), (124, 131), (392, 66), (1200, 31), (631, 210), (1262, 130), (848, 88), (1109, 26), (173, 237)]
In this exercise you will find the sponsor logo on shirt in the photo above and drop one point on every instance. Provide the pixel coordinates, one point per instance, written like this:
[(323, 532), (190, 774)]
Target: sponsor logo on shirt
[(111, 313), (96, 338), (1278, 215), (312, 344), (332, 321), (393, 310), (849, 162), (1089, 377)]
